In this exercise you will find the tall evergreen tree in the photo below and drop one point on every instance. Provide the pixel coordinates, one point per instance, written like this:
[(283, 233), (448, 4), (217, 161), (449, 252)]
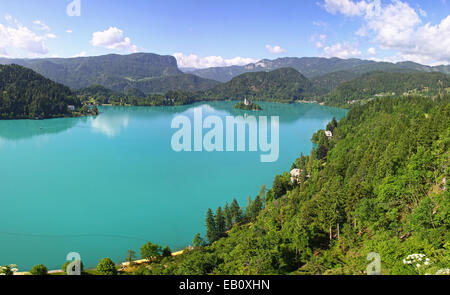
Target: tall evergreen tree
[(210, 226), (166, 252), (236, 212), (322, 152), (197, 242), (262, 192), (254, 207), (220, 223), (332, 125), (131, 255), (228, 217)]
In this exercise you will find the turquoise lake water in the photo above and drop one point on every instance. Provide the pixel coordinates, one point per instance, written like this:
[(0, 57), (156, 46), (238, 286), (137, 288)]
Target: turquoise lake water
[(100, 186)]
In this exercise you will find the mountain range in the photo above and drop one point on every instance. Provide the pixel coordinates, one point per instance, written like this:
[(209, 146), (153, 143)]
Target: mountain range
[(147, 73), (312, 67)]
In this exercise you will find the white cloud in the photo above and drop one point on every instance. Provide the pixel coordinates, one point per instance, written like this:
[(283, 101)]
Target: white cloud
[(41, 26), (394, 26), (3, 52), (372, 51), (109, 124), (423, 12), (22, 38), (275, 49), (113, 38), (397, 26), (321, 24), (194, 61), (342, 51), (49, 36), (346, 7), (319, 40), (8, 18), (362, 32), (81, 54), (69, 31)]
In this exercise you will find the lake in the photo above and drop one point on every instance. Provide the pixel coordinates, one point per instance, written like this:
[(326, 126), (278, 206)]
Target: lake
[(100, 186)]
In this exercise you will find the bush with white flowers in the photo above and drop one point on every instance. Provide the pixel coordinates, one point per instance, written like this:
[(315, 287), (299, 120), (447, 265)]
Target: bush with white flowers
[(419, 260), (422, 265), (8, 270), (444, 271)]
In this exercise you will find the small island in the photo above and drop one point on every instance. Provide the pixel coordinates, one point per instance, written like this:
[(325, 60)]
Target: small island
[(247, 106)]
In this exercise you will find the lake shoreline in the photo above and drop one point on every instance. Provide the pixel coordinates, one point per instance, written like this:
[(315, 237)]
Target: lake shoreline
[(218, 100), (50, 118)]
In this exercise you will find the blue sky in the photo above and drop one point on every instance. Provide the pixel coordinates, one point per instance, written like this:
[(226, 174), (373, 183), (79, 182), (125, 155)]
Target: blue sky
[(203, 33)]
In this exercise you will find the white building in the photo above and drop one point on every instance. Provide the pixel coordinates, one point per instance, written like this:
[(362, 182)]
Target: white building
[(71, 108), (295, 175), (329, 134)]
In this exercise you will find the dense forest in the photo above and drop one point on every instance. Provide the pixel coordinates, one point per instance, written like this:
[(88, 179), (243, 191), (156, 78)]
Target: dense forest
[(389, 83), (282, 85), (25, 94), (378, 185)]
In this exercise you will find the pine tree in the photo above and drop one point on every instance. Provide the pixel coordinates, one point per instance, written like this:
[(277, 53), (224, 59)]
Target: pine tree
[(210, 227), (262, 192), (332, 125), (236, 212), (258, 204), (248, 210), (131, 255), (166, 252), (322, 152), (220, 223), (254, 207), (197, 242), (228, 217)]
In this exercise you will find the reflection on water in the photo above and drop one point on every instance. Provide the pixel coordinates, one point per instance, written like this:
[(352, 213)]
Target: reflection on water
[(113, 120), (15, 130), (288, 113), (110, 123)]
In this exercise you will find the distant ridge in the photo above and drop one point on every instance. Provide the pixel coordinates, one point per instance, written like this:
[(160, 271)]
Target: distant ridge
[(378, 84), (116, 72), (312, 67)]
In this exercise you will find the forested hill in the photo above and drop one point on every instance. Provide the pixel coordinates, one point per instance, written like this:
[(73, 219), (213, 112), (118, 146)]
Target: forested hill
[(378, 84), (378, 185), (284, 84), (25, 94)]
